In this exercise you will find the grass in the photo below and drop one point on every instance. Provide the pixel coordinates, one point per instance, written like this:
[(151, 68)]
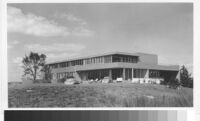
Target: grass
[(99, 95)]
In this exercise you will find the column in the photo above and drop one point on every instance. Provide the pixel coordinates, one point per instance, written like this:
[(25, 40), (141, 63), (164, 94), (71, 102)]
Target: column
[(132, 74)]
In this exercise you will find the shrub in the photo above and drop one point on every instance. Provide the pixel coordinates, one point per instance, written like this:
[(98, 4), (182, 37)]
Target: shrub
[(174, 83)]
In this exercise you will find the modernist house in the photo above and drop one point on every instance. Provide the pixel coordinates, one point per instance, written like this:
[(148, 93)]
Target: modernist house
[(128, 66)]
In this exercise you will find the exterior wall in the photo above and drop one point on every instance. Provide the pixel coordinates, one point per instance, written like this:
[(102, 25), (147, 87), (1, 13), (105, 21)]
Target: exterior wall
[(148, 58)]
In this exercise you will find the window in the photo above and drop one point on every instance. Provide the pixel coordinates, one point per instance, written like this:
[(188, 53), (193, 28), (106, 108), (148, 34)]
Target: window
[(63, 64), (154, 74), (139, 73), (107, 59), (55, 66)]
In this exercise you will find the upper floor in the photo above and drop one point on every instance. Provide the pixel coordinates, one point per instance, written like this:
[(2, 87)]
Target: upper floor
[(108, 58)]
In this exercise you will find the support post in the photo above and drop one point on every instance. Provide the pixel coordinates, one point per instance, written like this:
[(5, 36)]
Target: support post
[(132, 73)]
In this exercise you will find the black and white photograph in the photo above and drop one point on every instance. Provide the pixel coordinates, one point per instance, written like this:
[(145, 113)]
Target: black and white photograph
[(100, 55)]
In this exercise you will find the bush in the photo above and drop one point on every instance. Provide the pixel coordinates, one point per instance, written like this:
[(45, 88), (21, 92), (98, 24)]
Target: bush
[(174, 83)]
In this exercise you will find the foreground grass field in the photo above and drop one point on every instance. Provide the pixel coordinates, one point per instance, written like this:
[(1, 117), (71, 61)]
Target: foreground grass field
[(99, 95)]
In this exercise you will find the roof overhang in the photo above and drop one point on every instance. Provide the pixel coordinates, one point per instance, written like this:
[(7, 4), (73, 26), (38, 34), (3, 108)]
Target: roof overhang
[(119, 65)]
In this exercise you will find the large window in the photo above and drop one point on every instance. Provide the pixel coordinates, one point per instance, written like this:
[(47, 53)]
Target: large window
[(139, 73), (128, 74), (98, 74), (107, 59), (63, 64), (154, 74)]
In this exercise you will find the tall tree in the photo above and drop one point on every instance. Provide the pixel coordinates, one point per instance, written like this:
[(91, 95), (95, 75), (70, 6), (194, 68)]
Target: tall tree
[(185, 77), (33, 64)]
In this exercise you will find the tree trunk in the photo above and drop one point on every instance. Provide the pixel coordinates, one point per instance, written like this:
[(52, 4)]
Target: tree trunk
[(35, 74)]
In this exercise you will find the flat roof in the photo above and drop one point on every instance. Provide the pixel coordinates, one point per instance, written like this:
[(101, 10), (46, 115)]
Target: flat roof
[(99, 55)]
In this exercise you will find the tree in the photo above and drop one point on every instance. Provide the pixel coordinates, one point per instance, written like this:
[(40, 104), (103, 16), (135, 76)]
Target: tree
[(185, 77), (33, 64)]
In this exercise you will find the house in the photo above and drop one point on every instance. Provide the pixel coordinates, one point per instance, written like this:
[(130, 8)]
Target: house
[(136, 67)]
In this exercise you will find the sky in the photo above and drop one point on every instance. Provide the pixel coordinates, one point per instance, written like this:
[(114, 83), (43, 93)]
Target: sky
[(68, 30)]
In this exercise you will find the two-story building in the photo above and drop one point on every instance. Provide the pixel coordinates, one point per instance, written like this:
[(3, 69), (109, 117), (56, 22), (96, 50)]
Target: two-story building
[(128, 66)]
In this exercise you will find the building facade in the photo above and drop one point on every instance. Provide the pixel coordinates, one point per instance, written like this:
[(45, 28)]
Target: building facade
[(128, 66)]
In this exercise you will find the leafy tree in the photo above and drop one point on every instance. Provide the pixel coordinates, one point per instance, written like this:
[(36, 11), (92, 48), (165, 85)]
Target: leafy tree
[(33, 64), (185, 77)]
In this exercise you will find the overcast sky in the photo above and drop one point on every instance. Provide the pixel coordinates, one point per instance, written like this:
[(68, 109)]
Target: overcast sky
[(63, 31)]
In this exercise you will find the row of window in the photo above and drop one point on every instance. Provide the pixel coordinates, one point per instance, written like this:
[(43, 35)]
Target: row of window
[(103, 59), (65, 75), (67, 64), (128, 59), (98, 74), (139, 73), (154, 74)]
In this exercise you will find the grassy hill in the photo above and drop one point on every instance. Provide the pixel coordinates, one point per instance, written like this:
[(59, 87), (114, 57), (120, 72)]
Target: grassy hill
[(99, 95)]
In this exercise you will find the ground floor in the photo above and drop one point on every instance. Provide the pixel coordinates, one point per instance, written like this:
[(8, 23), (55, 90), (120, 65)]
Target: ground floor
[(133, 74)]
